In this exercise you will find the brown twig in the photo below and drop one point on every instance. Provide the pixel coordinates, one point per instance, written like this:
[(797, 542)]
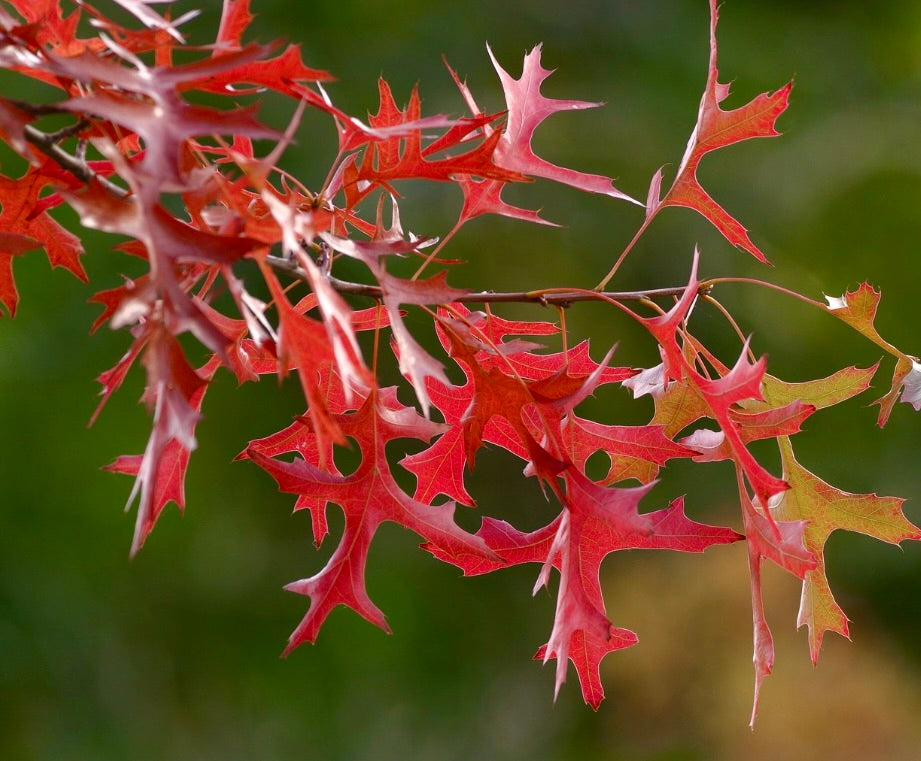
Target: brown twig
[(48, 144), (554, 297)]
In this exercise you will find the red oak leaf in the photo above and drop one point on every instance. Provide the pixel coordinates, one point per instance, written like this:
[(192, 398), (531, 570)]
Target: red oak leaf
[(113, 298), (781, 541), (717, 128), (174, 392), (527, 414), (235, 20), (171, 464), (439, 469), (391, 128), (281, 74), (512, 547), (47, 28), (498, 362), (169, 480), (527, 108), (596, 522), (11, 245), (485, 196), (368, 497), (19, 199), (402, 156), (634, 451), (300, 438)]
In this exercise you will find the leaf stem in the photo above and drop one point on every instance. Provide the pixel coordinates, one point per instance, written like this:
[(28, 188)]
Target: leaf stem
[(623, 255), (773, 286), (436, 250), (731, 320)]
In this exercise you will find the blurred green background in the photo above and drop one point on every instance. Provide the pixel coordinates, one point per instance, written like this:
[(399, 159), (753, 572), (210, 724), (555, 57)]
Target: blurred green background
[(174, 655)]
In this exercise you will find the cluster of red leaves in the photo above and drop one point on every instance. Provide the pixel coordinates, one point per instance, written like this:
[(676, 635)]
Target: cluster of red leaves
[(134, 139)]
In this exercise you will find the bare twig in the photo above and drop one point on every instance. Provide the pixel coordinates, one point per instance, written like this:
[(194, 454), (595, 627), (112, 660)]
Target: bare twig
[(37, 109), (69, 131), (48, 144), (555, 297)]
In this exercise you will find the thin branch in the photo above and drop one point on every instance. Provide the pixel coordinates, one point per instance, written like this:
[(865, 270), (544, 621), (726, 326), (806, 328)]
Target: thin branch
[(69, 131), (623, 254), (773, 286), (560, 297), (37, 109), (47, 144)]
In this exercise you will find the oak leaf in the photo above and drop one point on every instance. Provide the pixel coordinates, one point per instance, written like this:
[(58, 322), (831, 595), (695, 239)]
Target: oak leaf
[(826, 509), (716, 128), (527, 109), (24, 229), (783, 542), (595, 522), (857, 308), (402, 156), (368, 497)]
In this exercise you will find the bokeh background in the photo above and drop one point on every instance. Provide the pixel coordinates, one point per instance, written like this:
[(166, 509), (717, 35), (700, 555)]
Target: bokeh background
[(174, 655)]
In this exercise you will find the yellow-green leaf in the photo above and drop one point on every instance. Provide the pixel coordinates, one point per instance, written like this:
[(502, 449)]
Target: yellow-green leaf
[(827, 509), (820, 393)]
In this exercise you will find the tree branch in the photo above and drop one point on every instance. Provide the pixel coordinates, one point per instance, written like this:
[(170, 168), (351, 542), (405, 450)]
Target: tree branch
[(547, 297), (48, 144)]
